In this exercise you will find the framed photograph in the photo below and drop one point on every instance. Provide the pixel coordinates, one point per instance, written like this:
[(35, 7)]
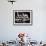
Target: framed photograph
[(22, 17)]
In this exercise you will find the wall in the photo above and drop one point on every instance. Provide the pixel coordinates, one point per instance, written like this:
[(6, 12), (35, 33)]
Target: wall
[(37, 31)]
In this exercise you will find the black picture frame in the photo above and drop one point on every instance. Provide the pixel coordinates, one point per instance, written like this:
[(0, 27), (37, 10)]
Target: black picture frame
[(22, 17)]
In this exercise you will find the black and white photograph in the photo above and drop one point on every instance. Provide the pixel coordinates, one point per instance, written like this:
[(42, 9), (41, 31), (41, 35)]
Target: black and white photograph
[(22, 17)]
